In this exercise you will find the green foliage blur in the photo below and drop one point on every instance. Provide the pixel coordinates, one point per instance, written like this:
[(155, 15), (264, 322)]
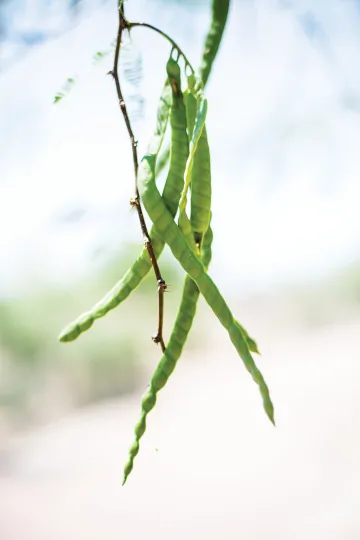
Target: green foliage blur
[(42, 378), (331, 299)]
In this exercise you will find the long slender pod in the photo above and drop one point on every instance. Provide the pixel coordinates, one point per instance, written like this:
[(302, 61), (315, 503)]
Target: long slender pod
[(186, 311), (220, 10), (172, 353), (201, 189), (198, 172), (171, 101), (172, 235), (162, 161), (173, 189), (167, 364), (201, 167), (133, 277), (184, 222), (198, 127), (179, 148), (200, 182)]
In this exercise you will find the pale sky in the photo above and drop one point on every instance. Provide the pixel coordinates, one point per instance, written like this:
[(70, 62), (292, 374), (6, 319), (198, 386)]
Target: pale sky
[(284, 130)]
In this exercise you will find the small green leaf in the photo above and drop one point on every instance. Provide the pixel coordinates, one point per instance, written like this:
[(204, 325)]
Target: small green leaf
[(58, 97)]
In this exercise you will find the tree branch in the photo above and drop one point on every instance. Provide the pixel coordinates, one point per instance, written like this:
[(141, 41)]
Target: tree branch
[(123, 24), (163, 34)]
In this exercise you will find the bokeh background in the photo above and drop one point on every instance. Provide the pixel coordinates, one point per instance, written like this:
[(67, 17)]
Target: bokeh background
[(284, 128)]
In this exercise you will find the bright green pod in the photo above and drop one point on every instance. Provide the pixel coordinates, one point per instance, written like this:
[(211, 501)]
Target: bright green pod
[(184, 222), (172, 353), (172, 235), (191, 108), (179, 148), (220, 10), (200, 183), (202, 163), (182, 324), (121, 290), (162, 161), (171, 102), (201, 112), (251, 343), (179, 334), (201, 188)]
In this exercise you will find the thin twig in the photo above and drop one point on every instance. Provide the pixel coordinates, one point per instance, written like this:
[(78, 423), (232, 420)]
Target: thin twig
[(123, 24), (163, 34)]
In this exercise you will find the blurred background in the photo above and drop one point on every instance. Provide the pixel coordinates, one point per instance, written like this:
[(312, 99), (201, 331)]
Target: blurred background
[(284, 129)]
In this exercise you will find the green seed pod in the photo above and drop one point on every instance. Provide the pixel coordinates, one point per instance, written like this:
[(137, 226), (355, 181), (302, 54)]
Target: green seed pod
[(179, 148), (200, 182), (201, 188), (171, 102), (220, 10), (172, 235), (173, 350), (184, 222)]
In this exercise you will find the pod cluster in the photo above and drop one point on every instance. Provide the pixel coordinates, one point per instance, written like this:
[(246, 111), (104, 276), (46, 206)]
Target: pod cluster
[(188, 237)]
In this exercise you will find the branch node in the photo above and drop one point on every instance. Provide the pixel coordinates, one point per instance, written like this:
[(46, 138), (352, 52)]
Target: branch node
[(135, 201), (161, 285)]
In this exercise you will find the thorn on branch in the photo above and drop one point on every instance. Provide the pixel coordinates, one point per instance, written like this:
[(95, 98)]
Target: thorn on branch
[(156, 338), (161, 285), (134, 203)]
